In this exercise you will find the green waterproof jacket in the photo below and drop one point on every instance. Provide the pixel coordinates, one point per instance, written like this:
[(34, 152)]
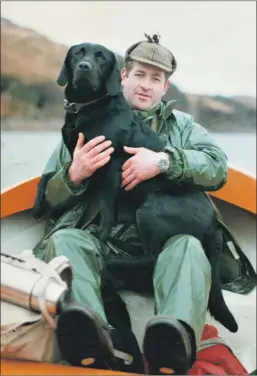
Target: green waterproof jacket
[(194, 159)]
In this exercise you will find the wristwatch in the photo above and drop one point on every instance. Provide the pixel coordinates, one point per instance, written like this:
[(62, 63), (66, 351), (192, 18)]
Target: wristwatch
[(164, 163)]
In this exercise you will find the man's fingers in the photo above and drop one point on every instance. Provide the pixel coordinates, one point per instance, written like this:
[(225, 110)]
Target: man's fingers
[(131, 150), (102, 162), (102, 155), (80, 141), (127, 164), (127, 172), (127, 180), (98, 149), (92, 143), (132, 184)]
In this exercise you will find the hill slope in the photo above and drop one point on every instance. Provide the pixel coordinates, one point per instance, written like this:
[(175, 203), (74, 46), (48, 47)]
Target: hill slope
[(29, 55), (30, 64)]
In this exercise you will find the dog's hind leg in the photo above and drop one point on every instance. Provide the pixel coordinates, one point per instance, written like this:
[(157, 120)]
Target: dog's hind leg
[(217, 305), (158, 218), (108, 199), (149, 231)]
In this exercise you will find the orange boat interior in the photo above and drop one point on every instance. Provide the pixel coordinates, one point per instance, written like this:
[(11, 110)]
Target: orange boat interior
[(240, 191)]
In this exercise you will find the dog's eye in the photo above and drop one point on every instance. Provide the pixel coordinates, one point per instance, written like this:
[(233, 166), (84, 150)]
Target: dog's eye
[(99, 55), (79, 53)]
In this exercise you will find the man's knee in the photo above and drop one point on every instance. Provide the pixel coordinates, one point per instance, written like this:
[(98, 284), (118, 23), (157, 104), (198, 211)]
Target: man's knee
[(182, 248), (183, 244), (74, 240), (187, 241), (74, 236), (66, 233), (79, 246)]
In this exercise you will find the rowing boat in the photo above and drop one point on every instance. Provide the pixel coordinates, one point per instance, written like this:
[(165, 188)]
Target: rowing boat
[(237, 204)]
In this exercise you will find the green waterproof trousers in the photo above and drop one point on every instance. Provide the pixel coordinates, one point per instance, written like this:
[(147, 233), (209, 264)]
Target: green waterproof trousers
[(182, 275)]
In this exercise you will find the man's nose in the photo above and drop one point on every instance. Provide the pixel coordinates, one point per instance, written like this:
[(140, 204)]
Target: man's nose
[(145, 85), (85, 65)]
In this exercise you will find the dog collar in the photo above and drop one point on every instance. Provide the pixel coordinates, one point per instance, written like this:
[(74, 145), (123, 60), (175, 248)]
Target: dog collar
[(74, 108)]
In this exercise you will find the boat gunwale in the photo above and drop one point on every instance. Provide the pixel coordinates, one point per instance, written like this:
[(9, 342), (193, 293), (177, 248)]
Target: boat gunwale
[(240, 191)]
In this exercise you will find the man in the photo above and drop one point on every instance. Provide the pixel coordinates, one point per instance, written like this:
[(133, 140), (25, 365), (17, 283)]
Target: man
[(182, 275)]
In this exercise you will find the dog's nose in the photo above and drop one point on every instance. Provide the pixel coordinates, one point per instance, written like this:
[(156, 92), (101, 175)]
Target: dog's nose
[(85, 65)]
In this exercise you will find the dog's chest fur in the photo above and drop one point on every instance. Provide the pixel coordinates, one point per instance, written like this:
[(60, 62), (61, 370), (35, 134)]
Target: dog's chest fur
[(112, 118)]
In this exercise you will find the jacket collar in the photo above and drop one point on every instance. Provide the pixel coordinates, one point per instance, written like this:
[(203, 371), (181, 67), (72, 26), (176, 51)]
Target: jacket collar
[(163, 110)]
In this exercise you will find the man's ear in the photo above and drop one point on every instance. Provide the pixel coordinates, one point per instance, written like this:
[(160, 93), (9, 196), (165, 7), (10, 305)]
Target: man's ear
[(124, 74), (113, 84), (166, 86)]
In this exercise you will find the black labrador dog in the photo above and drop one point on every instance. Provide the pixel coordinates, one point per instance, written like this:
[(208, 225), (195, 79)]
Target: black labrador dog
[(96, 106)]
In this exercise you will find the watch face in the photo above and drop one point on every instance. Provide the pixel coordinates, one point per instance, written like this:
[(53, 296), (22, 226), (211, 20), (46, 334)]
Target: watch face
[(163, 165)]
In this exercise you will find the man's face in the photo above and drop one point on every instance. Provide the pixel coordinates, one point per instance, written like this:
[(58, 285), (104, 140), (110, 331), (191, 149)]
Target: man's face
[(144, 86)]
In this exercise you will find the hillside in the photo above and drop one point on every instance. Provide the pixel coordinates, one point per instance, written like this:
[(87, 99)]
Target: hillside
[(29, 55), (30, 64)]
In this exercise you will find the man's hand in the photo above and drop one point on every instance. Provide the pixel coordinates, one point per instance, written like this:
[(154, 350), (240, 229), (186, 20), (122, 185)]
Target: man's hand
[(142, 166), (89, 157)]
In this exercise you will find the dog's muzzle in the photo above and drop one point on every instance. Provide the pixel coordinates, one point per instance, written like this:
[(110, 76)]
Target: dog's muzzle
[(84, 66)]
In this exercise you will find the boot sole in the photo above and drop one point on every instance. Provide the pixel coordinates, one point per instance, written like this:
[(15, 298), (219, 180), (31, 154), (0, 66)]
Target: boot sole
[(80, 342), (167, 348)]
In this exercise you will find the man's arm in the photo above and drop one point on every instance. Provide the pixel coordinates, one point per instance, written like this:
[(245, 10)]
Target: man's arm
[(200, 161), (64, 182), (55, 190)]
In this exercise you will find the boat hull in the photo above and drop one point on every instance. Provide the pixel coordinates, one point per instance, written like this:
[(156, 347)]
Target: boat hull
[(237, 204)]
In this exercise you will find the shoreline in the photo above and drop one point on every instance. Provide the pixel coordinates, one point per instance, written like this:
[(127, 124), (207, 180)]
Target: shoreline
[(55, 124), (55, 130), (25, 152)]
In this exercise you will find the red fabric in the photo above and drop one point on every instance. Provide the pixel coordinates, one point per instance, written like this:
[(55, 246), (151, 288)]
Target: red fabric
[(217, 359)]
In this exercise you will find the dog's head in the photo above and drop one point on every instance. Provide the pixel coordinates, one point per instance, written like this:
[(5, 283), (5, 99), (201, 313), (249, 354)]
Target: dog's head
[(92, 69)]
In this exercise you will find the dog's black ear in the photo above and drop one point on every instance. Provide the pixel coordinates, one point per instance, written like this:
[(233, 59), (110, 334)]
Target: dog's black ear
[(63, 75), (113, 84)]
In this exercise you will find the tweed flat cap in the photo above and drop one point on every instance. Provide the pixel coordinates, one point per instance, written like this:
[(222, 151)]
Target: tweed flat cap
[(151, 52)]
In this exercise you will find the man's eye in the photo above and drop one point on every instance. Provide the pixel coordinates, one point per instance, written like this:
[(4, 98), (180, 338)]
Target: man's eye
[(156, 79), (138, 74)]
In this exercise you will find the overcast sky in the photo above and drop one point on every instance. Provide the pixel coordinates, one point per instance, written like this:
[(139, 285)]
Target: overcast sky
[(214, 42)]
